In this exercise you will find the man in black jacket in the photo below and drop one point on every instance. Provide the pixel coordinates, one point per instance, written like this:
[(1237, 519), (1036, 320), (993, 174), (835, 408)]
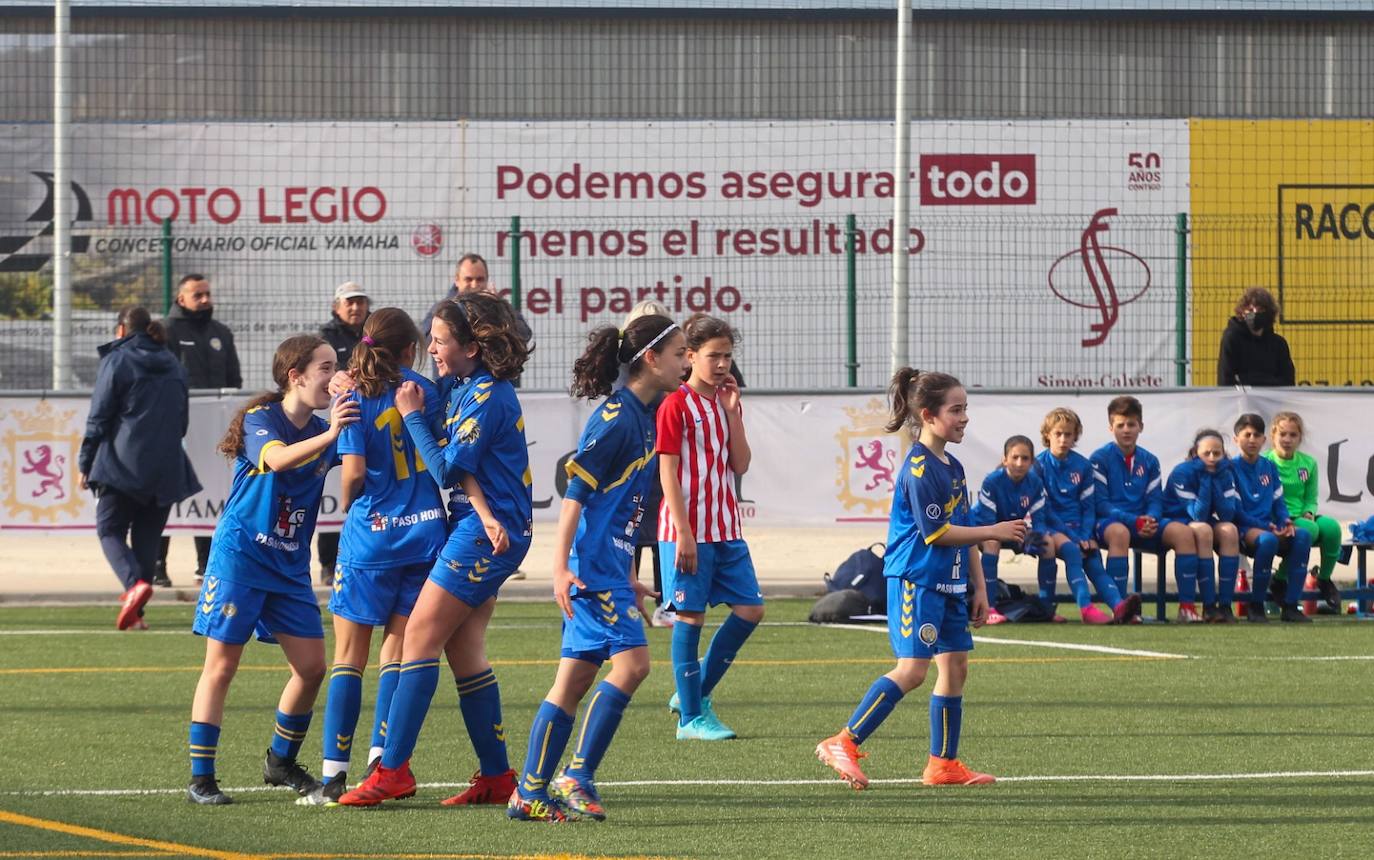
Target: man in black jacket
[(343, 331), (1252, 353), (205, 347)]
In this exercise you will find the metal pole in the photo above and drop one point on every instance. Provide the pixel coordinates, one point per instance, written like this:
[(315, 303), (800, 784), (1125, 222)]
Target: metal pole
[(901, 194), (1181, 300), (515, 262), (61, 204), (166, 266), (851, 279)]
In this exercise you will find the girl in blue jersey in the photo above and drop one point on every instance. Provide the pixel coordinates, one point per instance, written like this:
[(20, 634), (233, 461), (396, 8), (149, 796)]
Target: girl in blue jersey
[(1013, 491), (258, 574), (594, 584), (394, 529), (930, 571), (1201, 491), (475, 341), (1266, 527)]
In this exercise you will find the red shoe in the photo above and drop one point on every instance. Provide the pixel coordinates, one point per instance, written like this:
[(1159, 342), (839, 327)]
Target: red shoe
[(494, 790), (134, 599), (951, 771), (1128, 608), (842, 755), (384, 784), (995, 617)]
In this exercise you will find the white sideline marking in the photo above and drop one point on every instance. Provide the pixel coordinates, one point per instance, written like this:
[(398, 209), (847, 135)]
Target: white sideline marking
[(762, 783), (186, 631), (1066, 646)]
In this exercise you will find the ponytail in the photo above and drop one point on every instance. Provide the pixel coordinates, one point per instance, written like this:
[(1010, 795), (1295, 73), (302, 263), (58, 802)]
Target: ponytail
[(294, 353), (911, 391), (136, 320), (609, 351), (897, 392), (376, 361)]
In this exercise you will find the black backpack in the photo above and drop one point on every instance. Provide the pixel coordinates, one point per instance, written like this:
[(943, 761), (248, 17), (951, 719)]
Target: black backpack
[(839, 607), (862, 572)]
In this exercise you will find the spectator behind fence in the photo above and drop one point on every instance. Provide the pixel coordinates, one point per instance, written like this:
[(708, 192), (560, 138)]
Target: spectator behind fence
[(1252, 353), (206, 349), (132, 457), (473, 276), (350, 311)]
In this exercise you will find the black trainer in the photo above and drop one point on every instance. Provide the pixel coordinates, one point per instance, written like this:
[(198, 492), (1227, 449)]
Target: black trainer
[(1294, 615), (205, 791), (1211, 614), (1255, 614), (1330, 596), (160, 578), (1228, 615), (288, 772), (1277, 590), (328, 793)]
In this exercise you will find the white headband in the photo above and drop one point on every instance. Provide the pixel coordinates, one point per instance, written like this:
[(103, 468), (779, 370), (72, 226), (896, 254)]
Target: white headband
[(650, 345)]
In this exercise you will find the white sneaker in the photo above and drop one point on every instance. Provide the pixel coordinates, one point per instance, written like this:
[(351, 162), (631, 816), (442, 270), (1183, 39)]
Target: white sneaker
[(664, 617)]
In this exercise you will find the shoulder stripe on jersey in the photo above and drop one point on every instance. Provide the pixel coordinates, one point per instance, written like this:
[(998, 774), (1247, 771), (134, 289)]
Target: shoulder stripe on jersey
[(262, 453), (574, 470), (630, 470), (932, 538), (1153, 485)]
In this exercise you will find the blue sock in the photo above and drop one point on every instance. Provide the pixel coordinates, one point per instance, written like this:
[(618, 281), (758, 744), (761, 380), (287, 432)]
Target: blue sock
[(946, 717), (1228, 567), (548, 737), (1185, 575), (1297, 563), (479, 698), (387, 679), (876, 704), (1073, 572), (989, 560), (204, 744), (600, 719), (722, 650), (289, 734), (1118, 568), (1266, 547), (1103, 584), (687, 669), (342, 704), (1046, 572), (1207, 579), (409, 705)]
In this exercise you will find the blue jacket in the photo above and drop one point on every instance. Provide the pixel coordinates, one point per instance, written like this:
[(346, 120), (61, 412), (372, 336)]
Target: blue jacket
[(139, 413), (1196, 495), (1069, 488), (1124, 494), (1001, 499), (1261, 494)]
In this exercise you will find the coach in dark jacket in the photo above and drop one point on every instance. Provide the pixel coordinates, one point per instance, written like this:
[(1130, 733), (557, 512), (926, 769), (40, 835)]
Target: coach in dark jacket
[(1252, 353), (131, 455), (204, 345)]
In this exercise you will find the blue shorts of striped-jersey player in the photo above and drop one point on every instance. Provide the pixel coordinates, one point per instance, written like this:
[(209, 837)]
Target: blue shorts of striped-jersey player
[(604, 623), (724, 574), (1153, 543), (466, 567), (922, 622), (372, 596), (229, 612)]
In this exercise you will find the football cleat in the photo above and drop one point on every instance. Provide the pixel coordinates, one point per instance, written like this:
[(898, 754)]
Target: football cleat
[(328, 793), (704, 729), (289, 773), (1092, 615), (1128, 608), (1187, 614), (205, 791), (1213, 615), (951, 771), (384, 784), (132, 603), (1293, 615), (1227, 614), (494, 790), (1330, 596), (535, 809), (1254, 612), (995, 617), (576, 797), (842, 755)]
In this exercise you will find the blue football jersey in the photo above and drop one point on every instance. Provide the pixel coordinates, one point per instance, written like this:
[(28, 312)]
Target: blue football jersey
[(1261, 493), (486, 439), (263, 536), (930, 496), (1126, 491), (1002, 498), (399, 519), (1192, 493), (1069, 488), (610, 475)]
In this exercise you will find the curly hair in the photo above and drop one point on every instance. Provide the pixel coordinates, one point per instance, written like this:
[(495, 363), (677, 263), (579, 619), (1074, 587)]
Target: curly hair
[(489, 322)]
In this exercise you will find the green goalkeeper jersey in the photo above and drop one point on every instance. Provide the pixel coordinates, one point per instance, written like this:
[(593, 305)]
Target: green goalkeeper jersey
[(1299, 477)]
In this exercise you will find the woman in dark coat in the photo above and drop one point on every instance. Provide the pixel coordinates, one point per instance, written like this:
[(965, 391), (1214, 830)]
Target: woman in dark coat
[(1252, 353), (132, 457)]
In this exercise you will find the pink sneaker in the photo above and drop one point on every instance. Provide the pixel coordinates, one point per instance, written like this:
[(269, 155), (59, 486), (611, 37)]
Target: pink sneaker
[(1058, 619), (1093, 615), (995, 617)]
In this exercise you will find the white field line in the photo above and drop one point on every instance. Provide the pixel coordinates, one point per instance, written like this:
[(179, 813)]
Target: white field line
[(1066, 646), (762, 783)]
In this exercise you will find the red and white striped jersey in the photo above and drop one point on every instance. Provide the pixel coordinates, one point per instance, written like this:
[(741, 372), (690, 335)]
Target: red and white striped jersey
[(695, 428)]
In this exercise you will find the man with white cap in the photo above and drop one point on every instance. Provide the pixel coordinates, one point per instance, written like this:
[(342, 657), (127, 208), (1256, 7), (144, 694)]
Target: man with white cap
[(343, 331)]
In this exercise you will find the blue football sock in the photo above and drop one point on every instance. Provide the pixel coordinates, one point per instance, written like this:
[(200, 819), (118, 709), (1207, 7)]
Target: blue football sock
[(479, 698), (343, 702), (387, 678), (989, 560), (1185, 575), (946, 717), (1207, 579), (1103, 584), (1297, 559), (687, 669), (722, 650), (1266, 547), (876, 704), (1046, 574), (409, 705), (289, 734), (1119, 568), (1228, 567), (548, 738), (204, 744), (1073, 572), (600, 719)]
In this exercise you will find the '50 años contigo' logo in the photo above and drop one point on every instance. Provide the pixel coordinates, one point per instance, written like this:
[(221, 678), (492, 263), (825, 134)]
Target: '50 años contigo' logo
[(11, 258), (1107, 278)]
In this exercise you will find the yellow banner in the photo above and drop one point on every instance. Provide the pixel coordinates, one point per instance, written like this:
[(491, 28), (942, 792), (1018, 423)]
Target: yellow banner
[(1287, 205)]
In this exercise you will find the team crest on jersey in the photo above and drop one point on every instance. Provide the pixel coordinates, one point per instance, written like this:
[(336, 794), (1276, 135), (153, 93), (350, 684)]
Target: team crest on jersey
[(469, 431), (1140, 471), (1264, 480), (1075, 479), (230, 610), (378, 522), (928, 634), (1025, 501), (1303, 474), (288, 519)]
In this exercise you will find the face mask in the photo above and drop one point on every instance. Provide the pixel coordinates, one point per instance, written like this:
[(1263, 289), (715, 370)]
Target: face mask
[(1258, 321)]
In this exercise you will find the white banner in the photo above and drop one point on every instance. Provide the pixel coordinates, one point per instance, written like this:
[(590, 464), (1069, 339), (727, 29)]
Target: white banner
[(818, 460), (1054, 239)]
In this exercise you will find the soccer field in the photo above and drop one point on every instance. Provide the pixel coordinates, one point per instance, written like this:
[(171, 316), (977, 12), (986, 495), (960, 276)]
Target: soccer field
[(1148, 741)]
